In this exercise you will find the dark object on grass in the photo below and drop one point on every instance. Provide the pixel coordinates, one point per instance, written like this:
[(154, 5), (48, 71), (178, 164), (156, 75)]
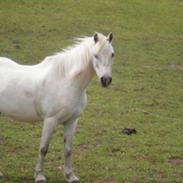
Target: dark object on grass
[(1, 175), (129, 131)]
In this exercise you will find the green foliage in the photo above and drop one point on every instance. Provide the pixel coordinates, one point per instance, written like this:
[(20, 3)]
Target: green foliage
[(146, 93)]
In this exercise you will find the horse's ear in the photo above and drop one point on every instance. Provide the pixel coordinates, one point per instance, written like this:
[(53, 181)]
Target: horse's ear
[(95, 37), (110, 37)]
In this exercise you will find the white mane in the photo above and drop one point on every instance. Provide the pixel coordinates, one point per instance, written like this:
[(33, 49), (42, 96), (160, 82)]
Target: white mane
[(72, 59), (75, 58)]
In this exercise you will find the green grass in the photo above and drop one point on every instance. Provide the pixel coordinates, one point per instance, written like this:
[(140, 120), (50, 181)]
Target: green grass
[(146, 93)]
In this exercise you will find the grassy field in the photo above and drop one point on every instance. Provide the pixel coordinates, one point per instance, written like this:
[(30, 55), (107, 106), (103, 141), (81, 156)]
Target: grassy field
[(146, 93)]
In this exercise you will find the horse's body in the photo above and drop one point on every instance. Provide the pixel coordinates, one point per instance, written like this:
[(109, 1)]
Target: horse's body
[(55, 91), (41, 96)]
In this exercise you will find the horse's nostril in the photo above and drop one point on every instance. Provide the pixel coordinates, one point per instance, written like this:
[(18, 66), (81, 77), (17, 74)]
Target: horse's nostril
[(106, 81), (102, 79)]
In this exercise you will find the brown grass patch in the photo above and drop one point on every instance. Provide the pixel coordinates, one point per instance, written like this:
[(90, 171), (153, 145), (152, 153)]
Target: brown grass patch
[(176, 66), (176, 160)]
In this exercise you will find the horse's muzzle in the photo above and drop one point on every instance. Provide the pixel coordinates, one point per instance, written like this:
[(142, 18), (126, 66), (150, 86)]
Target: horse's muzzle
[(106, 81)]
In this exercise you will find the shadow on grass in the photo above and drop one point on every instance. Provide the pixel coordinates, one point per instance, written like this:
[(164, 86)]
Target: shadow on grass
[(30, 180)]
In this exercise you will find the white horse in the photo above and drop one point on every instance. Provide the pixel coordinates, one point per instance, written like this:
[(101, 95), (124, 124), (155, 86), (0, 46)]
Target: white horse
[(55, 91)]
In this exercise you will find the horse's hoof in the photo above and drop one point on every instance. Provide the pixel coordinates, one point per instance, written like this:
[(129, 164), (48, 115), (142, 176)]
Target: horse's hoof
[(72, 179), (40, 179)]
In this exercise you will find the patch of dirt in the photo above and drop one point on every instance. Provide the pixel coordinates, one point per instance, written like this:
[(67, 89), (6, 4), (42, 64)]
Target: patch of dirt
[(176, 66), (145, 158), (105, 181), (176, 160), (180, 1), (1, 175)]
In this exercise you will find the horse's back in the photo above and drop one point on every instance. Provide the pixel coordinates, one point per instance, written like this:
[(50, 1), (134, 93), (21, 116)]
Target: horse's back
[(18, 85), (8, 71), (6, 62), (6, 67)]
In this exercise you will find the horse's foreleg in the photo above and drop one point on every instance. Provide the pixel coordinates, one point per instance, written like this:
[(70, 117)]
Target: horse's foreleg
[(69, 129), (48, 128)]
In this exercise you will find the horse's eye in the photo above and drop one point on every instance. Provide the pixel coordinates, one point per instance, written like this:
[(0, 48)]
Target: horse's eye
[(112, 55)]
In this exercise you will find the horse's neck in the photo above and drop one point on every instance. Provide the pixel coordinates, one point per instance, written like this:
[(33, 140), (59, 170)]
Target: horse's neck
[(82, 70), (82, 79), (76, 65)]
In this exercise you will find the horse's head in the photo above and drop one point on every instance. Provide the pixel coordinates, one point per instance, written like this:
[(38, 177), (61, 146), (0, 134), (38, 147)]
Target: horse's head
[(103, 54)]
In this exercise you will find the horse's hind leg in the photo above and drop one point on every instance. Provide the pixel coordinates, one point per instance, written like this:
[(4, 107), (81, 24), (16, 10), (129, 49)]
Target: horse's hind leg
[(69, 129), (48, 128)]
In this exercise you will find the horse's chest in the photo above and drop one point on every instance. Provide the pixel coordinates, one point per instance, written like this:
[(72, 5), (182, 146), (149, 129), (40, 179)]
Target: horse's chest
[(65, 106), (72, 107)]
